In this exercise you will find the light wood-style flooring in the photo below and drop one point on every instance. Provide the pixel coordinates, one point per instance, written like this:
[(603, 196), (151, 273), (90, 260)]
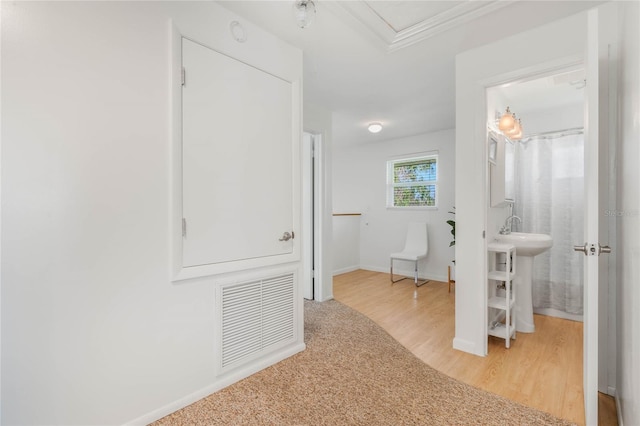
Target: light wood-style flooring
[(541, 370)]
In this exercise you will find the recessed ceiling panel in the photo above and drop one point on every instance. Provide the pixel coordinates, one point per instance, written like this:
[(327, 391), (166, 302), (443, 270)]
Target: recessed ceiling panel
[(403, 23), (401, 15)]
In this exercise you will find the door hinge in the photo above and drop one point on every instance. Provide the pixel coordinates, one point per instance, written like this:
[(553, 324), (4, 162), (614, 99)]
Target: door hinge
[(184, 227), (182, 76)]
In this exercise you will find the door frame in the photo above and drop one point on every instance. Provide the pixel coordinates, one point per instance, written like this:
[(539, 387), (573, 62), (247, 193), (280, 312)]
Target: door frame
[(309, 214), (521, 75), (314, 225)]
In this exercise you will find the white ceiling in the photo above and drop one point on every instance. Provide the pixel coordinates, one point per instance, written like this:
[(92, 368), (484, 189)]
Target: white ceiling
[(546, 93), (394, 61)]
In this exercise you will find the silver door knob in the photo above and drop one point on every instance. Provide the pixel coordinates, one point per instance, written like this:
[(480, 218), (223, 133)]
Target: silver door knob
[(583, 249), (286, 236), (592, 249)]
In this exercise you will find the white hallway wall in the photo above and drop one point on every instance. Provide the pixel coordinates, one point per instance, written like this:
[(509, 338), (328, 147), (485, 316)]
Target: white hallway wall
[(93, 329), (346, 243), (361, 173)]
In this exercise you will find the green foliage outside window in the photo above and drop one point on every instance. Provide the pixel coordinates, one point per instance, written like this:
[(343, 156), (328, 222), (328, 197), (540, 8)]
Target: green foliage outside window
[(423, 195), (414, 182)]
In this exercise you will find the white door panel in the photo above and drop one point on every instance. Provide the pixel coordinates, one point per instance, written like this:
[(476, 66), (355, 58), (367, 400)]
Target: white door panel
[(238, 134), (591, 221)]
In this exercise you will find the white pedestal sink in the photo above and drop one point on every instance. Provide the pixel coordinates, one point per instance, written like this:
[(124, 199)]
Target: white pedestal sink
[(527, 246)]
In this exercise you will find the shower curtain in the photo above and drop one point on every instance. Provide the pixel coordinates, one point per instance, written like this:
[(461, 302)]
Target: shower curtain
[(549, 199)]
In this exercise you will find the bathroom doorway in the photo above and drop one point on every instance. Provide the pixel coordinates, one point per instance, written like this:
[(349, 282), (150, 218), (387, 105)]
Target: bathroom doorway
[(486, 67), (548, 181), (552, 186)]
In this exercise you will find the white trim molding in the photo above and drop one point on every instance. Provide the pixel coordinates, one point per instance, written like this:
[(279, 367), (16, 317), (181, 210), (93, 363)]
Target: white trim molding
[(392, 39)]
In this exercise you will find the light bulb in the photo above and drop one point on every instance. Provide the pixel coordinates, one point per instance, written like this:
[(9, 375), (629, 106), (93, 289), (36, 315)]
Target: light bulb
[(507, 121), (374, 127), (516, 127), (516, 135)]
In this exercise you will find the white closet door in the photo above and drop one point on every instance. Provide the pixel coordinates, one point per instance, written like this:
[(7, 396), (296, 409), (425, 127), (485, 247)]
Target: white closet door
[(238, 136)]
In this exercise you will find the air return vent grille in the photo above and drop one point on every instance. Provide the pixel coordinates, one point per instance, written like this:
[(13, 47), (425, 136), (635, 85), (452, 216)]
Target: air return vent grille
[(256, 317)]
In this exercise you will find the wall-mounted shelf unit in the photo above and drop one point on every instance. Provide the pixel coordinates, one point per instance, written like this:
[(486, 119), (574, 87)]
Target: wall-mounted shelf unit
[(502, 316)]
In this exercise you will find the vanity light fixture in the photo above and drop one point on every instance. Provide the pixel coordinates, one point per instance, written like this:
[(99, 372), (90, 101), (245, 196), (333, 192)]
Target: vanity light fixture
[(510, 125), (374, 127), (516, 133), (507, 121), (514, 129), (303, 12)]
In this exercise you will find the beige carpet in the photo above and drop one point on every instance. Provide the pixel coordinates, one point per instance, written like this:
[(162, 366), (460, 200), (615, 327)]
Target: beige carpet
[(353, 373)]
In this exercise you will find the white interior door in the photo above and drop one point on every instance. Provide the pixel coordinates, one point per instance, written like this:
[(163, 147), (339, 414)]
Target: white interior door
[(238, 138), (591, 247)]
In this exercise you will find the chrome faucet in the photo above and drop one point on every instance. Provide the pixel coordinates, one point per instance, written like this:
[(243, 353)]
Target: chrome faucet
[(506, 229)]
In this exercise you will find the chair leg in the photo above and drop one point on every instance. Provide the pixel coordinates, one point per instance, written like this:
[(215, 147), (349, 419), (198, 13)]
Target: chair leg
[(415, 277), (391, 275)]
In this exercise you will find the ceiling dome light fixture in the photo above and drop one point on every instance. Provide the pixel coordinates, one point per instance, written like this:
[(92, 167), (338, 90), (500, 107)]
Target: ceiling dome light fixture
[(374, 127), (303, 12)]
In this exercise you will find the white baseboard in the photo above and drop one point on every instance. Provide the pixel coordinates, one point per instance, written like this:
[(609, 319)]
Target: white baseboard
[(345, 270), (399, 271), (466, 346), (405, 272), (222, 383), (558, 314), (328, 297), (619, 409)]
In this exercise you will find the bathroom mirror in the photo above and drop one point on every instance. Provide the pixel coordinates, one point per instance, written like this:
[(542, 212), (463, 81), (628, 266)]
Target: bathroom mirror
[(493, 148), (501, 170), (509, 171)]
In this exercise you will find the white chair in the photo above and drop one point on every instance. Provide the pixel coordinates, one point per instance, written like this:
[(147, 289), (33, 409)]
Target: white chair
[(415, 248)]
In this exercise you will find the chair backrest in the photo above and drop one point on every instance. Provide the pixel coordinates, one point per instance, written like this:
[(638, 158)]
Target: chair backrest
[(416, 241)]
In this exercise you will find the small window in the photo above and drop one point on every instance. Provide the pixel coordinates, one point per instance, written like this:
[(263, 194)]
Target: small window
[(412, 182)]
